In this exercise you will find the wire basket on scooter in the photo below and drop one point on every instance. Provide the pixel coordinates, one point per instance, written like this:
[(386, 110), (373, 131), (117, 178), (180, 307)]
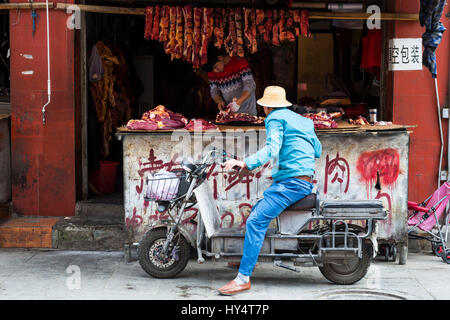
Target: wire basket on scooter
[(165, 185)]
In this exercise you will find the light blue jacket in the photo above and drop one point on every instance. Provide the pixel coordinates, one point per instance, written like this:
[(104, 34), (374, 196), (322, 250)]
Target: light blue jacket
[(291, 142)]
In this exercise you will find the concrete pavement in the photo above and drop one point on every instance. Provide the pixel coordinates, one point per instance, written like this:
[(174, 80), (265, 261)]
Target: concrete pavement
[(66, 275)]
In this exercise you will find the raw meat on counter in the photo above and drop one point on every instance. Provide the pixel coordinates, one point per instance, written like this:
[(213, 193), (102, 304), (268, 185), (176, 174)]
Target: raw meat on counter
[(224, 117), (322, 120), (360, 121), (157, 119), (141, 125), (200, 125)]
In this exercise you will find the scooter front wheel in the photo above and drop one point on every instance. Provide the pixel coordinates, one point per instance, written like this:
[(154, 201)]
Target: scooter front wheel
[(154, 262)]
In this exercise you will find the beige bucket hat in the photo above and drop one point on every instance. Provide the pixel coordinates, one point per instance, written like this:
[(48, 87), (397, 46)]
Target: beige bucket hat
[(274, 97)]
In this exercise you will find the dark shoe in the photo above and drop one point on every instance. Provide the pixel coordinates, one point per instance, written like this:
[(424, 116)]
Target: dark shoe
[(232, 288)]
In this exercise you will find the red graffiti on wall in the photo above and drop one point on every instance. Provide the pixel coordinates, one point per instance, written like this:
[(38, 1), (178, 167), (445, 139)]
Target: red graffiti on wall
[(135, 221), (227, 214), (379, 168), (339, 171), (386, 196), (232, 180), (383, 164), (247, 206), (242, 212), (154, 164)]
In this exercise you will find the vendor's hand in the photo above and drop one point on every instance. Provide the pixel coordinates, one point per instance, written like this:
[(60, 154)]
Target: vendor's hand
[(234, 105), (230, 164), (237, 101)]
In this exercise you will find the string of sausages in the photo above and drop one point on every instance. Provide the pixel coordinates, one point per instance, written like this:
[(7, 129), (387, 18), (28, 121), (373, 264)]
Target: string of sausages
[(186, 31)]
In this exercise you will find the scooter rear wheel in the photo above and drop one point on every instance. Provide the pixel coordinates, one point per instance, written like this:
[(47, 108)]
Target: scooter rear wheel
[(155, 265), (350, 270)]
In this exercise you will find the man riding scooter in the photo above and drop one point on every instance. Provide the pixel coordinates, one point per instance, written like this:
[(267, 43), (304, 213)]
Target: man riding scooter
[(292, 145)]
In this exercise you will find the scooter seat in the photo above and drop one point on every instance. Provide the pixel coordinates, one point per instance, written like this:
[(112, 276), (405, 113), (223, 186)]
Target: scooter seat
[(308, 202)]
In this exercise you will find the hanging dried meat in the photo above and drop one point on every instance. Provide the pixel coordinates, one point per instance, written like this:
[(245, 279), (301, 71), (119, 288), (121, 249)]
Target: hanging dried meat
[(197, 38), (178, 51), (260, 21), (304, 26), (231, 40), (155, 27), (297, 21), (207, 31), (164, 24), (188, 33), (148, 22), (250, 30), (169, 45), (247, 29), (219, 27), (112, 95), (239, 33), (281, 23), (276, 29), (253, 29), (268, 25), (290, 29)]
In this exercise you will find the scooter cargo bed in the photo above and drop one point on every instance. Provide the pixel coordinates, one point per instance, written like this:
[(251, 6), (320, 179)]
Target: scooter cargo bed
[(353, 209)]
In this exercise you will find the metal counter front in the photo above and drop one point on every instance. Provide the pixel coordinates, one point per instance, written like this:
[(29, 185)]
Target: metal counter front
[(355, 164)]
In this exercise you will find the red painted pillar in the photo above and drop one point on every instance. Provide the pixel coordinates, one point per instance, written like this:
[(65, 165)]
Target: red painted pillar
[(414, 103), (43, 157)]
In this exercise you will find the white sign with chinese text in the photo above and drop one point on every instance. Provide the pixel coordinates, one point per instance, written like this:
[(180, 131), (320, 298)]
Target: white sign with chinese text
[(405, 54)]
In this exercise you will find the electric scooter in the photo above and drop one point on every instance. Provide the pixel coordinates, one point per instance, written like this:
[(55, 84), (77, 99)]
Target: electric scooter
[(309, 233)]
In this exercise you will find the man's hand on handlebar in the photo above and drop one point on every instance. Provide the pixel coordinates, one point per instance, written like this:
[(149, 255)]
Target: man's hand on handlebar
[(234, 164)]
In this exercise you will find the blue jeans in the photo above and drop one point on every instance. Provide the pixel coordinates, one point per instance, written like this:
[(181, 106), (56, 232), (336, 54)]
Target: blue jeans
[(277, 197)]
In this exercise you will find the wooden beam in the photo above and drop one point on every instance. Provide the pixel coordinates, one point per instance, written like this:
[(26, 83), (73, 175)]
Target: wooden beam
[(25, 5), (312, 15), (363, 16), (102, 9)]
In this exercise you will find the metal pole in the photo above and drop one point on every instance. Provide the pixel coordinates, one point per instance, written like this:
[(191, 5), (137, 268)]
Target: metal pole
[(440, 130), (48, 67)]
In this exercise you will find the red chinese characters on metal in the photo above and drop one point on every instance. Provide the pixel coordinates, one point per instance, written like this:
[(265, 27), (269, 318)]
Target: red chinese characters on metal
[(337, 170)]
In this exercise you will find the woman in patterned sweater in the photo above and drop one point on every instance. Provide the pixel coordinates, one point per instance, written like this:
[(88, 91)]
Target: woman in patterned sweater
[(230, 79)]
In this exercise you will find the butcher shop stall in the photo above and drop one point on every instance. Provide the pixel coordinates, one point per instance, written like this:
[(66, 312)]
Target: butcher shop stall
[(149, 103)]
